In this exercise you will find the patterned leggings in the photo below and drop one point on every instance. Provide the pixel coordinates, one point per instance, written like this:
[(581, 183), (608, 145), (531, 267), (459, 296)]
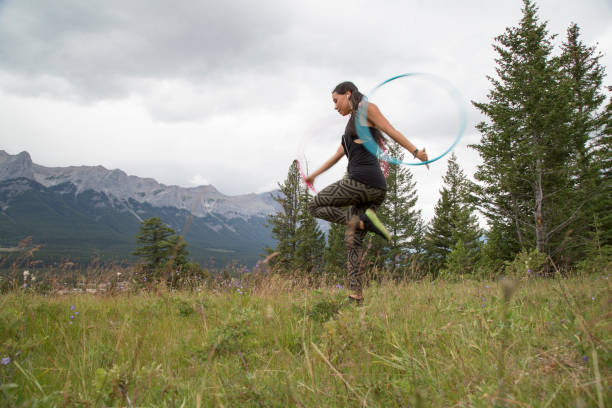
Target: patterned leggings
[(340, 202)]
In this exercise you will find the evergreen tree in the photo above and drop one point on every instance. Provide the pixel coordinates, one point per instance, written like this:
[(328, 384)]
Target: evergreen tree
[(285, 223), (582, 76), (178, 251), (602, 145), (601, 205), (400, 215), (335, 252), (526, 146), (439, 235), (310, 241), (454, 220), (159, 245)]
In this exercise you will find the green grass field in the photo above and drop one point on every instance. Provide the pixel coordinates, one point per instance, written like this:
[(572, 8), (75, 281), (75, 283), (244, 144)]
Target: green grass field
[(277, 345)]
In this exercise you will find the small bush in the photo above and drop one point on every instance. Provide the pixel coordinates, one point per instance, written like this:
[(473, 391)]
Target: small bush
[(526, 264)]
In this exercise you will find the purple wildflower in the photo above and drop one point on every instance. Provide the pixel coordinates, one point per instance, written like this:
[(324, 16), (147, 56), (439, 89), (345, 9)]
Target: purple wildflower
[(76, 313), (72, 307), (6, 361), (585, 358), (71, 317), (339, 286)]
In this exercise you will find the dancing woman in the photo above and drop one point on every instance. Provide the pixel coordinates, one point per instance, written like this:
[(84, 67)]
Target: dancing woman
[(354, 199)]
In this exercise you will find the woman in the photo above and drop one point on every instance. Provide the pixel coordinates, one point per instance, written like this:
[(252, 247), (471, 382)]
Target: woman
[(354, 199)]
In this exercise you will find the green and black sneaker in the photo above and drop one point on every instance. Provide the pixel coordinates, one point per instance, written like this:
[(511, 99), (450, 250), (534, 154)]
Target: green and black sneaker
[(373, 224)]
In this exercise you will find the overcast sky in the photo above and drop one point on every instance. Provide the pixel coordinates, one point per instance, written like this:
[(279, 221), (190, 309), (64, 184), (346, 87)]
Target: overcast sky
[(225, 92)]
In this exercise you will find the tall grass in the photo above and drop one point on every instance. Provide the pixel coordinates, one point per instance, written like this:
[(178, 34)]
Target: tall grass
[(272, 343)]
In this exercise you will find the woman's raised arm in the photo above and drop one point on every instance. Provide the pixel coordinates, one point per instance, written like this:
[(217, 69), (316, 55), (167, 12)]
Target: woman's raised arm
[(376, 117)]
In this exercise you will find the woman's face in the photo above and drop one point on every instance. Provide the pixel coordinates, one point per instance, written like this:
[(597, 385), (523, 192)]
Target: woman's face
[(342, 103)]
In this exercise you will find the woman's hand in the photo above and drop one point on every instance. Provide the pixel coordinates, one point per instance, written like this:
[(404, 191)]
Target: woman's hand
[(310, 179), (422, 156)]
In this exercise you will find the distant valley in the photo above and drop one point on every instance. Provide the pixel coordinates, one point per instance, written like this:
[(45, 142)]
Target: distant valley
[(85, 212)]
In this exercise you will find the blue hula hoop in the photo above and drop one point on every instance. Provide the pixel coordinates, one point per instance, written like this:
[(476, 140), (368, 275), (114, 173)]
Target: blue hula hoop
[(368, 141)]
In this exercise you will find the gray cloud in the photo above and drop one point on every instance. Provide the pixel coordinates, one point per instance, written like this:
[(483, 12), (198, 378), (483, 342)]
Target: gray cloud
[(98, 46), (95, 49), (225, 91)]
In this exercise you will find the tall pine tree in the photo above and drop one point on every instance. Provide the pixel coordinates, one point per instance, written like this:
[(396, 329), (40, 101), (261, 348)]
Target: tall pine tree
[(583, 76), (454, 223), (310, 241), (525, 145), (285, 223), (601, 235), (400, 215), (335, 253), (300, 242)]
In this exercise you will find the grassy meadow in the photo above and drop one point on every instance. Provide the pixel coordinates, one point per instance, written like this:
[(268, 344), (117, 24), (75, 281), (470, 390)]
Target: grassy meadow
[(274, 343)]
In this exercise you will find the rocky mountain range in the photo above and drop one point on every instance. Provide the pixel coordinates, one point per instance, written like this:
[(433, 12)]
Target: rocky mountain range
[(87, 211)]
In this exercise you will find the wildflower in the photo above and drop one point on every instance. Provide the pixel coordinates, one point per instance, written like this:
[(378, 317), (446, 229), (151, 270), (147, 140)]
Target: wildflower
[(26, 274), (486, 286), (71, 317), (118, 273), (76, 313), (593, 298), (585, 358), (239, 291), (72, 307), (528, 271), (339, 286), (6, 361)]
